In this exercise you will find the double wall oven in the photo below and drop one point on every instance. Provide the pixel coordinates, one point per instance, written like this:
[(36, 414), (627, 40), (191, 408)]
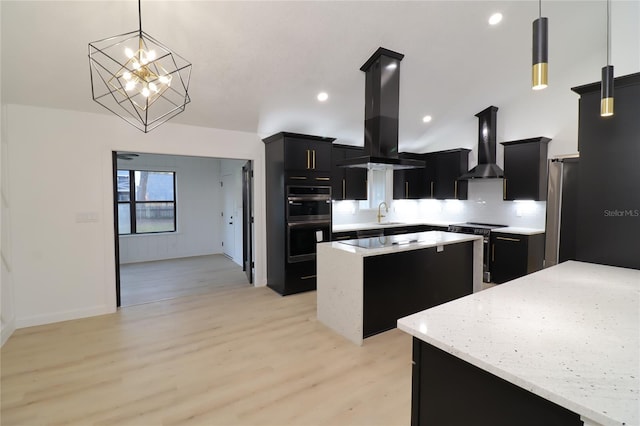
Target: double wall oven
[(308, 215), (483, 229)]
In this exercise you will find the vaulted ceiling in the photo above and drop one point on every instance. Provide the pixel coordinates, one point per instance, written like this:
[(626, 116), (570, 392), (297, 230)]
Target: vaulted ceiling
[(258, 66)]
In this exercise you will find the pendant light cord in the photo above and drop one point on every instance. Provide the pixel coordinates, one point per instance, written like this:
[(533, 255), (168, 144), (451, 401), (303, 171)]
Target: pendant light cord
[(608, 37), (539, 8), (140, 17)]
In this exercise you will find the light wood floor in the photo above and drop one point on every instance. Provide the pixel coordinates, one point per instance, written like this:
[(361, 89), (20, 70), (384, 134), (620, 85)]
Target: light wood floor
[(167, 279), (239, 355)]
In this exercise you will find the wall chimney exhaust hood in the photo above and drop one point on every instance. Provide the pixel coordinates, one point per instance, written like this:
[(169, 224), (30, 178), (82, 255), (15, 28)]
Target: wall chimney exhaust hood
[(382, 103), (487, 129)]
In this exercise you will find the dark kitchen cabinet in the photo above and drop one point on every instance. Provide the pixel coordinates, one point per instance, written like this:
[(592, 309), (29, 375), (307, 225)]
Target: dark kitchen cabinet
[(525, 169), (347, 235), (514, 255), (409, 229), (608, 208), (347, 183), (410, 184), (449, 166), (403, 283), (447, 390), (287, 156)]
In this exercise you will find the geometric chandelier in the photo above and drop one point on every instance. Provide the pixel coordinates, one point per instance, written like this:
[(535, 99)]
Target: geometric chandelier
[(138, 78)]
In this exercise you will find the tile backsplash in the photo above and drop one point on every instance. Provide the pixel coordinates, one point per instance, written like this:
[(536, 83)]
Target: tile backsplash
[(484, 204)]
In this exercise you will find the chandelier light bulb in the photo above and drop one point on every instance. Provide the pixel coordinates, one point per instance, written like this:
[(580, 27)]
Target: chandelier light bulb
[(153, 87), (128, 52), (136, 66), (151, 55), (130, 85), (165, 80), (145, 92), (126, 75)]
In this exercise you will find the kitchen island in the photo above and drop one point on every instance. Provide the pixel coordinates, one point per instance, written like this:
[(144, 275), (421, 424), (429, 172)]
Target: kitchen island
[(557, 347), (365, 285)]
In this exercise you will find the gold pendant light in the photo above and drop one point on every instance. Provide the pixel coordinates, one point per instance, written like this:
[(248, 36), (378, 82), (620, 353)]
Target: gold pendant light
[(138, 78), (540, 72), (606, 94)]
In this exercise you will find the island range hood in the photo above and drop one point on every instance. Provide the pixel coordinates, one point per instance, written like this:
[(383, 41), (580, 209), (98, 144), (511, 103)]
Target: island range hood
[(382, 104), (487, 167)]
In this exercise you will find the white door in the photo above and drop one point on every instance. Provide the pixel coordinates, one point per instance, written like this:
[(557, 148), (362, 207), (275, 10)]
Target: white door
[(228, 217)]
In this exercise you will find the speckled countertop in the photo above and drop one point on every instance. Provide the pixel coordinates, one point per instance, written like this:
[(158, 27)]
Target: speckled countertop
[(407, 242), (569, 333)]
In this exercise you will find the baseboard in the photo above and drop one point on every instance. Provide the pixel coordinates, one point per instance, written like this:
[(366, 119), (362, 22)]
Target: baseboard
[(63, 316), (6, 332)]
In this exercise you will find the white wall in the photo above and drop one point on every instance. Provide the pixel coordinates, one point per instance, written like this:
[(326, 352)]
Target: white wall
[(64, 269), (198, 199)]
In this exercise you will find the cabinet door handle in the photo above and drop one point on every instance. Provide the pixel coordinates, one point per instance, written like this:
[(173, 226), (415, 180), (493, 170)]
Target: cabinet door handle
[(314, 159), (504, 188), (308, 159), (344, 237), (308, 277), (455, 189), (431, 189), (517, 240), (322, 178), (493, 252), (406, 189), (298, 177), (344, 189)]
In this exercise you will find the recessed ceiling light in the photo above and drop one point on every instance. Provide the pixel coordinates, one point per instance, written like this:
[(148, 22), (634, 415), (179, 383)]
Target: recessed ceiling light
[(323, 96), (426, 119), (495, 18)]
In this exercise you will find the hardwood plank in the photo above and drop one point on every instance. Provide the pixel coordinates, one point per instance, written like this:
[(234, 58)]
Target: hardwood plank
[(238, 355)]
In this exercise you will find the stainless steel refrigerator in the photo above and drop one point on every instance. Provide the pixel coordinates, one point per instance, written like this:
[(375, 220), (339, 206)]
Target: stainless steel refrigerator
[(562, 209)]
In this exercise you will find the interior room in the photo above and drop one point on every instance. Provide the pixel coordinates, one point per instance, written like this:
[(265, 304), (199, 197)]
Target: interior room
[(387, 213)]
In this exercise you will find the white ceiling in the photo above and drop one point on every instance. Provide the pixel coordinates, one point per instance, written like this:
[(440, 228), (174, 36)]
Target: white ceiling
[(258, 66)]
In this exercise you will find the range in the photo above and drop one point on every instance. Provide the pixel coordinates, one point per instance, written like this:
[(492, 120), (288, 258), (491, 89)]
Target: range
[(483, 229)]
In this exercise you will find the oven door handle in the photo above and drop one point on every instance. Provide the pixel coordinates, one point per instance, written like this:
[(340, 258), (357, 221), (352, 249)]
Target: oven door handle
[(310, 198), (309, 223)]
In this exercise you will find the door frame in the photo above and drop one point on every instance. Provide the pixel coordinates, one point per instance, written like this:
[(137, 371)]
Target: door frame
[(247, 220)]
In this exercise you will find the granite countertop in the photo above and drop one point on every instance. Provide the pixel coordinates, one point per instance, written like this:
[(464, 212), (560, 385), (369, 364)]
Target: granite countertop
[(519, 231), (406, 242), (569, 333)]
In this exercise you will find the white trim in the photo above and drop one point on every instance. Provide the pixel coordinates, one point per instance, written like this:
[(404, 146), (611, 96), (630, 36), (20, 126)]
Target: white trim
[(7, 330), (63, 316)]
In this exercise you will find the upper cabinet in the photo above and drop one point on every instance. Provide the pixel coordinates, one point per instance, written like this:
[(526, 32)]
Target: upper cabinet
[(525, 169), (411, 184), (304, 159), (347, 183), (449, 166)]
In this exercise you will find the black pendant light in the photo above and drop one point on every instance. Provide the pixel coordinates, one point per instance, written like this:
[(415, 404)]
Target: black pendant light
[(138, 78), (540, 50), (606, 98)]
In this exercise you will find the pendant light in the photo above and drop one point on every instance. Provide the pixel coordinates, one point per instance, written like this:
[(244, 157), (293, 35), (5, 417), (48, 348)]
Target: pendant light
[(138, 78), (606, 96), (540, 51)]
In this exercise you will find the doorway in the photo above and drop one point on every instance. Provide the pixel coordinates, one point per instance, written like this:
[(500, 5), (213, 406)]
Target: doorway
[(200, 238)]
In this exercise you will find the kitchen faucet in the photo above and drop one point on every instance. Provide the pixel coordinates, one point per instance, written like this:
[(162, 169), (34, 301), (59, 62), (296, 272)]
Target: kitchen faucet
[(380, 215)]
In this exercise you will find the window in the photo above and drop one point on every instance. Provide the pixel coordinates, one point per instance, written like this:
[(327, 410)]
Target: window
[(146, 202)]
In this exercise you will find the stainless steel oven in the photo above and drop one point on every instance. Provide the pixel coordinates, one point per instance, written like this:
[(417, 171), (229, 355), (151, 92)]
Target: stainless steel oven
[(302, 238), (308, 203), (483, 229)]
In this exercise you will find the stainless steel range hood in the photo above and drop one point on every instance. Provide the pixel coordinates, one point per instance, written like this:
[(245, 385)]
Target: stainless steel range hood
[(382, 103), (487, 129)]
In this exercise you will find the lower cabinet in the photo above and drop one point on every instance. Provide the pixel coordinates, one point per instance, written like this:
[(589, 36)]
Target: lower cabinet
[(299, 277), (397, 230), (446, 390), (403, 283), (514, 256), (348, 235)]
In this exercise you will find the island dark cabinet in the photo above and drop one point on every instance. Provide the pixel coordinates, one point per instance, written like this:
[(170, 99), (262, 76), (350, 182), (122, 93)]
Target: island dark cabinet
[(449, 166), (447, 390), (525, 169), (347, 183), (514, 255), (410, 184)]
